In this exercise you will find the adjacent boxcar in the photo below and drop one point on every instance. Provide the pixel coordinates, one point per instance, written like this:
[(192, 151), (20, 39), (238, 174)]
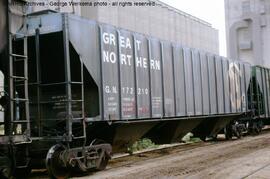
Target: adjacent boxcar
[(261, 97)]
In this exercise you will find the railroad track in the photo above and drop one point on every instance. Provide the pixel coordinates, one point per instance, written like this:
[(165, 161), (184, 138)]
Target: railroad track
[(121, 160), (256, 171), (199, 166), (126, 160)]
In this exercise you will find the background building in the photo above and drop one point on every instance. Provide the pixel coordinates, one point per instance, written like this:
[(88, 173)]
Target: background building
[(248, 30), (161, 21)]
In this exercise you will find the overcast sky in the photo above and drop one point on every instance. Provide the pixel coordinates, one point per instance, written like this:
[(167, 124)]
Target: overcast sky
[(211, 11)]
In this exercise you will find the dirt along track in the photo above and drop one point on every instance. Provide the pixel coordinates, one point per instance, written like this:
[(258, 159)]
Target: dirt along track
[(248, 157)]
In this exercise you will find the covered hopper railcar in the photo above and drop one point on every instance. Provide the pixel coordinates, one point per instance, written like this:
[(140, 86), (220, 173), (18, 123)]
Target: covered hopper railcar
[(92, 85), (259, 100)]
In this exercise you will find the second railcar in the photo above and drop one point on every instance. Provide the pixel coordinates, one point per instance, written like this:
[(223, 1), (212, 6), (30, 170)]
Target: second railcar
[(261, 93), (259, 100)]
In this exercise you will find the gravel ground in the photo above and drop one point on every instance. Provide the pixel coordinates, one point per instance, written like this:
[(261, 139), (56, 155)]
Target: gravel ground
[(245, 158)]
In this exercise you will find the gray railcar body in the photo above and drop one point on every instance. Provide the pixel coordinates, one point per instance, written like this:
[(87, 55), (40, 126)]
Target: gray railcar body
[(140, 77)]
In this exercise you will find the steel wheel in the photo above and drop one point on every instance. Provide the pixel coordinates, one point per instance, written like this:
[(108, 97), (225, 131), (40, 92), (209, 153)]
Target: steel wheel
[(53, 164), (103, 164), (104, 161), (228, 132), (6, 172)]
